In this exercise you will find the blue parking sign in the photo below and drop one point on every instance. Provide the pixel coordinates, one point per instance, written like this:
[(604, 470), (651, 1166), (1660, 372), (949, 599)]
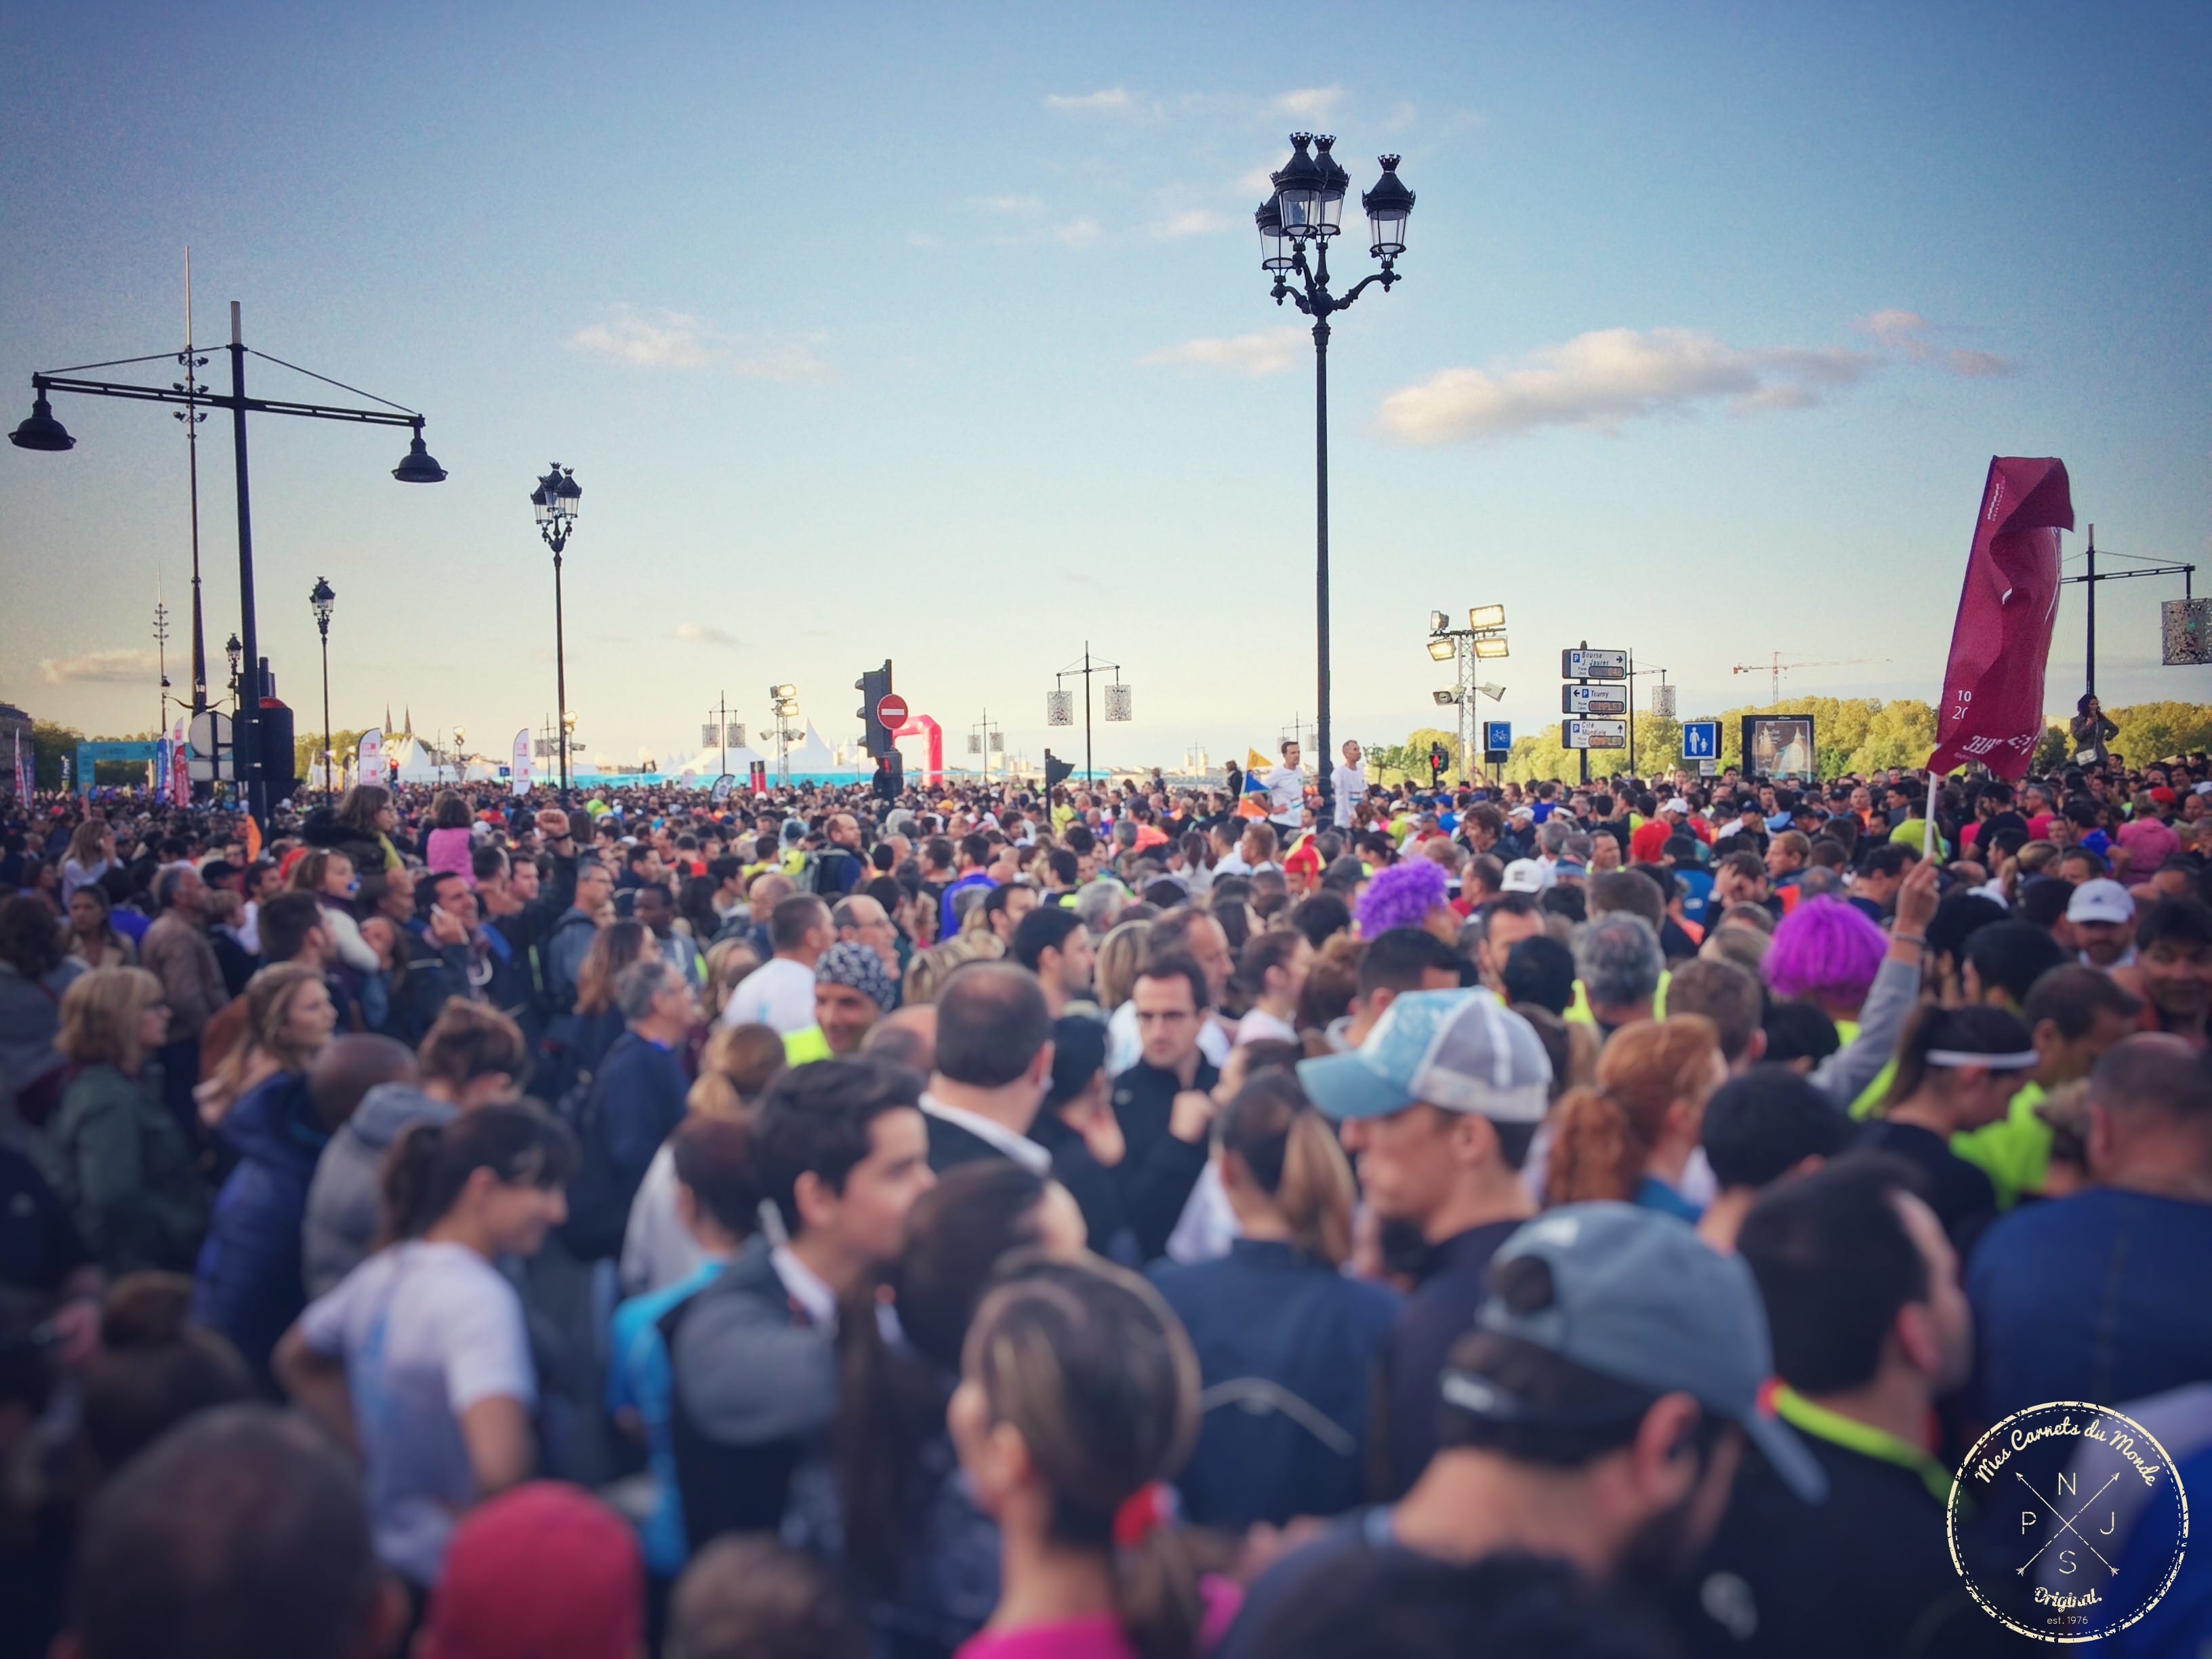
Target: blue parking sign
[(1701, 739), (1497, 737)]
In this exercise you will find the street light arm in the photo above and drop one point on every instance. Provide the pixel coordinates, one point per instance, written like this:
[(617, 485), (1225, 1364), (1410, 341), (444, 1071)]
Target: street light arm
[(154, 394), (1386, 276)]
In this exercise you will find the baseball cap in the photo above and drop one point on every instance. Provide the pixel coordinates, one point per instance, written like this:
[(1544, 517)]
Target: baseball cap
[(1522, 876), (1568, 868), (544, 1572), (2101, 900), (1461, 1051), (1639, 1298)]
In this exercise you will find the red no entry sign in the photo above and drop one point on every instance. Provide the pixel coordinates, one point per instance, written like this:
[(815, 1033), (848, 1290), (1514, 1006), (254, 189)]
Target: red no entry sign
[(892, 711)]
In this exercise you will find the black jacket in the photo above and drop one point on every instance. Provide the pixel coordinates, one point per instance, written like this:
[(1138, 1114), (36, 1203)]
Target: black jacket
[(1157, 1174)]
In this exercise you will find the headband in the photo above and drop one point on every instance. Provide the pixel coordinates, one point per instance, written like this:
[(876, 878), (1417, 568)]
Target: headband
[(2020, 1060)]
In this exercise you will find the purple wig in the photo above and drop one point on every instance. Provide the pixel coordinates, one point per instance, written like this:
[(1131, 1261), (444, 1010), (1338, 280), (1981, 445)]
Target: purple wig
[(1402, 897), (1826, 950)]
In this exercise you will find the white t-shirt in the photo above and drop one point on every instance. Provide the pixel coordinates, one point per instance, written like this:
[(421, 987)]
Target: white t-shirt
[(1350, 783), (658, 1248), (1259, 1025), (1287, 795), (779, 992), (426, 1331)]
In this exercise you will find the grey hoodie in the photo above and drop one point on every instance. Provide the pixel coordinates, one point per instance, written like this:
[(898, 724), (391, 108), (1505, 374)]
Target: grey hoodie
[(345, 1205)]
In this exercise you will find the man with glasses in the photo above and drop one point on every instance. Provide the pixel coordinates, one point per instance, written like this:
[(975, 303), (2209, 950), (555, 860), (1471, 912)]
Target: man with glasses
[(1163, 1101)]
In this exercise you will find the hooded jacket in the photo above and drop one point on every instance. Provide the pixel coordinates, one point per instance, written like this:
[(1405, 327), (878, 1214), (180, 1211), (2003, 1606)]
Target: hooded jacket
[(249, 1286), (345, 1197)]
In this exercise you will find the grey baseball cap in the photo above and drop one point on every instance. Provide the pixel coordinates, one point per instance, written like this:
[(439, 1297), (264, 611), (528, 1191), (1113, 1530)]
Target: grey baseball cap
[(1639, 1298), (1461, 1051)]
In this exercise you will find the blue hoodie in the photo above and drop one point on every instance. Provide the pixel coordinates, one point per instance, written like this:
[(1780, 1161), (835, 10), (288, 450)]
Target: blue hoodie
[(249, 1284)]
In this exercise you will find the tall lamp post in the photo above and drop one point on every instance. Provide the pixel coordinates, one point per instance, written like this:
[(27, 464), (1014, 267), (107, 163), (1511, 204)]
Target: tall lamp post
[(321, 599), (1307, 211), (554, 500), (1483, 640), (41, 431)]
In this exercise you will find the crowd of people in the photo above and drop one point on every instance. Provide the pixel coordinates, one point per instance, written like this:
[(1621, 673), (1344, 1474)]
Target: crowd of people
[(1130, 1220)]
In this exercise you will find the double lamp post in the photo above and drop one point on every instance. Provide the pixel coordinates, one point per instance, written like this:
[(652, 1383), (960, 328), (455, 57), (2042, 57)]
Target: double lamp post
[(41, 431), (1304, 214)]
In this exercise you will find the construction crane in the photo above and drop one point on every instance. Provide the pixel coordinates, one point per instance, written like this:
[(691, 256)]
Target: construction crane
[(1776, 667)]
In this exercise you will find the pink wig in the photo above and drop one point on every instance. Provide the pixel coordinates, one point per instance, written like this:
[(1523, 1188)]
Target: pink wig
[(1825, 950)]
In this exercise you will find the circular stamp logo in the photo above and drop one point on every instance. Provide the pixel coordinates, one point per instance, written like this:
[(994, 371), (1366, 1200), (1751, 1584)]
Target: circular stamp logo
[(2067, 1522)]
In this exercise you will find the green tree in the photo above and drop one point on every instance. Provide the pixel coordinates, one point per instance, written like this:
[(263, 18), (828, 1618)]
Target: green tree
[(2160, 730), (308, 754), (49, 741)]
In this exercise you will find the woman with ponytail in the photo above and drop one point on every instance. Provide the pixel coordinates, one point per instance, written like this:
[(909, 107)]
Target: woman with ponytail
[(419, 1359), (1957, 1071), (923, 1558), (1630, 1138), (1286, 1343), (1078, 1403)]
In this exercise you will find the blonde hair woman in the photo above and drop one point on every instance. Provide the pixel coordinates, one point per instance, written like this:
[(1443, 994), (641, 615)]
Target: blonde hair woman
[(123, 1163), (1119, 955), (728, 961), (289, 1015), (735, 1069), (929, 968)]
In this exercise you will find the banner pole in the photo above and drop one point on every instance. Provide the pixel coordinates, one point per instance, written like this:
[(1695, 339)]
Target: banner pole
[(1929, 840)]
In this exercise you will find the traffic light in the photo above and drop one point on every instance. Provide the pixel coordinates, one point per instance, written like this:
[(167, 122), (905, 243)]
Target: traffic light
[(277, 760), (1437, 761), (874, 686), (1056, 771)]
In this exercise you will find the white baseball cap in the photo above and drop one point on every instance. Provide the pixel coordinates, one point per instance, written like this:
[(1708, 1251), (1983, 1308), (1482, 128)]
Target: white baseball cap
[(1522, 876), (2101, 900)]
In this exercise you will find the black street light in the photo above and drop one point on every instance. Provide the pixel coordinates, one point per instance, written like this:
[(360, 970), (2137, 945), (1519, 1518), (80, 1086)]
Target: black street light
[(1306, 210), (41, 431), (233, 649), (555, 502), (321, 599)]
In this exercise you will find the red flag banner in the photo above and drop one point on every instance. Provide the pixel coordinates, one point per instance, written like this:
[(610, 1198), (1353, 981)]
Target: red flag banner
[(1992, 706)]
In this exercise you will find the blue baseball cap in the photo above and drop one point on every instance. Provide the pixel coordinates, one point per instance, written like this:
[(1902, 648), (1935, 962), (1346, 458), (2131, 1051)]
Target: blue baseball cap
[(1639, 1298), (1460, 1051)]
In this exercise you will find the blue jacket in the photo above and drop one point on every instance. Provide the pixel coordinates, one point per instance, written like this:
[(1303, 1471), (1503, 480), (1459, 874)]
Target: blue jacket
[(249, 1282), (1286, 1348), (637, 1100)]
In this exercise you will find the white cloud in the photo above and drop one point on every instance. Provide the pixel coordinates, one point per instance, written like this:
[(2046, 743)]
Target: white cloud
[(1261, 181), (1112, 100), (1908, 333), (678, 340), (1005, 204), (121, 666), (1270, 351), (1610, 376), (1308, 103), (1082, 232), (1191, 221), (702, 634)]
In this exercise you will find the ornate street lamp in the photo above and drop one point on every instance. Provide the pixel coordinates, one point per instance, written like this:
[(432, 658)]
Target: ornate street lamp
[(1306, 213), (321, 598), (555, 502)]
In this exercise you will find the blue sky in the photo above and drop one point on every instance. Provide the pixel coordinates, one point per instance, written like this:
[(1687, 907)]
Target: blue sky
[(872, 331)]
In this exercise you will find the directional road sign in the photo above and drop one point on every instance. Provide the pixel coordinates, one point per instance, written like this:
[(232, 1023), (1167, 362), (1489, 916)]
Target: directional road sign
[(1701, 739), (1597, 734), (1578, 697), (1585, 664)]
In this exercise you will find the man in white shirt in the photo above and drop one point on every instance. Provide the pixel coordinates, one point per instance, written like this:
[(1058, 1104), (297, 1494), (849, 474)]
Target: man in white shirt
[(1349, 784), (1286, 792), (780, 992)]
